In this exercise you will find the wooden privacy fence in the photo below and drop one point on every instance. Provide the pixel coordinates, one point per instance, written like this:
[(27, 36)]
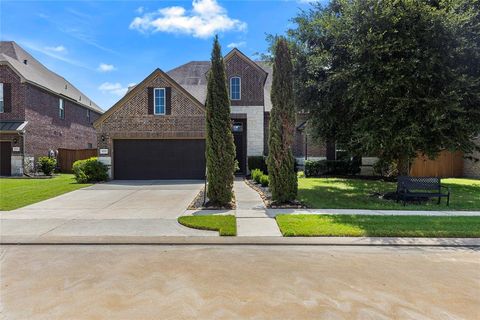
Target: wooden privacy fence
[(66, 157), (447, 164)]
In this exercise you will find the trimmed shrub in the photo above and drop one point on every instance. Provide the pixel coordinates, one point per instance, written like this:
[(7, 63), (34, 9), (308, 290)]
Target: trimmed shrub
[(47, 165), (300, 174), (90, 170), (264, 180), (256, 174), (331, 167), (257, 162)]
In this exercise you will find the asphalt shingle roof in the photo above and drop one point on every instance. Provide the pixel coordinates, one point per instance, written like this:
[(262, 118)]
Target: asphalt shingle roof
[(36, 73)]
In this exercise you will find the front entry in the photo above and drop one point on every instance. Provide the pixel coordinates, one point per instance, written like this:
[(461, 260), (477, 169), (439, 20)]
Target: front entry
[(5, 158), (239, 129)]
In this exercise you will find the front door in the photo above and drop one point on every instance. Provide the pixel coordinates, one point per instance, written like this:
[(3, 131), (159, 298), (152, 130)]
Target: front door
[(5, 158), (239, 130)]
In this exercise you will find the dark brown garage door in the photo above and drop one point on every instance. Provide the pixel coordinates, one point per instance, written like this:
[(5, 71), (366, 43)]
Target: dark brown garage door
[(158, 159)]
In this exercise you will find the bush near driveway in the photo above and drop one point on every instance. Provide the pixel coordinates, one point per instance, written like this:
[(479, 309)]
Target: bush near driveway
[(225, 225), (19, 192), (90, 170), (335, 193), (307, 225)]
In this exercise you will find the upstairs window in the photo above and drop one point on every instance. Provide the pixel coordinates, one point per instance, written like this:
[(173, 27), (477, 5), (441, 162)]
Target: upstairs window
[(61, 109), (88, 115), (235, 88), (2, 108), (159, 101)]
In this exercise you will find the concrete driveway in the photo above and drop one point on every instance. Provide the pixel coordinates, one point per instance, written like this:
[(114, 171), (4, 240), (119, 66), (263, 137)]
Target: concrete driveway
[(117, 208)]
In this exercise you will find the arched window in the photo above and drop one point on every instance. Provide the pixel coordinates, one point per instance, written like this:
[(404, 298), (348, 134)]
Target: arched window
[(235, 88)]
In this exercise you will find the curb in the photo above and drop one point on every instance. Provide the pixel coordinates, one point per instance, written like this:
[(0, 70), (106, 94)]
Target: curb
[(250, 241)]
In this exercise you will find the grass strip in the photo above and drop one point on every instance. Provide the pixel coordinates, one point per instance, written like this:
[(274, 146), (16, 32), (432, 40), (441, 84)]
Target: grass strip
[(306, 225), (225, 225)]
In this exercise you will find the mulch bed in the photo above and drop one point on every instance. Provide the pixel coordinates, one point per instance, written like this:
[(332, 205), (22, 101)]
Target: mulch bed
[(266, 196), (197, 203)]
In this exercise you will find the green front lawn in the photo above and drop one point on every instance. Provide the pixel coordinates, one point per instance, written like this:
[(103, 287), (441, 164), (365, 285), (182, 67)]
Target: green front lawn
[(335, 193), (304, 225), (16, 193), (225, 225)]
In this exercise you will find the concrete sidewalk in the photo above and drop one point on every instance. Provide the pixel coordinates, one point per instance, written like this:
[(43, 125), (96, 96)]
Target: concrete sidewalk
[(251, 213)]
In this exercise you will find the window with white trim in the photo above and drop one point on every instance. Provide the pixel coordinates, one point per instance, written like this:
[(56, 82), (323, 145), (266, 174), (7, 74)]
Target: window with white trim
[(2, 108), (159, 101), (61, 109), (235, 88)]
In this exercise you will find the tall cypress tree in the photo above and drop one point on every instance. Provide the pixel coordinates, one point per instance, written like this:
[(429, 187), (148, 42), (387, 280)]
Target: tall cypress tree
[(280, 161), (220, 148)]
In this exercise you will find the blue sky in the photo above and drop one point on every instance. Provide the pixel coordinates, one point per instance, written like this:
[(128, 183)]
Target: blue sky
[(104, 46)]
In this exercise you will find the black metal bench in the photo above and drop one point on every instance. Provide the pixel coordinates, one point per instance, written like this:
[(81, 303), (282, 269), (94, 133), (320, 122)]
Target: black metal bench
[(421, 188)]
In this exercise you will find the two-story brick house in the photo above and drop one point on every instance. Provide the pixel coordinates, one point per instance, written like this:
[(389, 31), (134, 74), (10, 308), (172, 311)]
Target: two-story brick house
[(40, 112), (157, 130)]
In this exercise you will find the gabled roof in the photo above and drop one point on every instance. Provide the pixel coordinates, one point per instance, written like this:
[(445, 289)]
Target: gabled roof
[(236, 52), (133, 91), (193, 76), (31, 70)]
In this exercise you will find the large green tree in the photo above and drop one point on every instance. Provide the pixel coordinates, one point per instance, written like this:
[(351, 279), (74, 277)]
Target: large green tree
[(280, 161), (220, 148), (391, 78)]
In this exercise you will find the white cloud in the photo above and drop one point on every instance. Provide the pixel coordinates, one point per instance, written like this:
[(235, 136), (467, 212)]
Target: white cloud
[(59, 49), (205, 19), (140, 10), (113, 88), (236, 44), (104, 67)]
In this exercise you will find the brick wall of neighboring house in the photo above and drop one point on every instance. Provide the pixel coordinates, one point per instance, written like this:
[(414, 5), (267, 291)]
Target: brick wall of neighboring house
[(471, 168), (252, 81), (130, 118), (45, 129), (18, 90)]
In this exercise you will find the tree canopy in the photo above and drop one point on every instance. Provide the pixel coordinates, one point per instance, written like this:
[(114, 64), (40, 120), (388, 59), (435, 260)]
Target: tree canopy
[(390, 78)]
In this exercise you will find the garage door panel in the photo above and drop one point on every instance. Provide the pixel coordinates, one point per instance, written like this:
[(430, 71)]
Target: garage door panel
[(159, 159)]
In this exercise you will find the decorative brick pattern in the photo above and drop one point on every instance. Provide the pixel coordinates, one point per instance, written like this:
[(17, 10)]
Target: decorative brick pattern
[(252, 81), (131, 120)]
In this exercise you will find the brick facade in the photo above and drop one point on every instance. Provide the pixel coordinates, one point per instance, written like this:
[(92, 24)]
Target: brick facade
[(252, 80), (45, 130), (129, 118)]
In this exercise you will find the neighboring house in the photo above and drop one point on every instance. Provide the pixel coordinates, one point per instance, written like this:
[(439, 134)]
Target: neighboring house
[(157, 130), (40, 112)]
